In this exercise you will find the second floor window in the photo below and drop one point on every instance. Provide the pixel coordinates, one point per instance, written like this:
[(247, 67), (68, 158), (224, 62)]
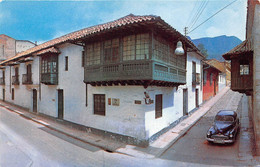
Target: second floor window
[(244, 67), (193, 71), (111, 51), (49, 64), (205, 77)]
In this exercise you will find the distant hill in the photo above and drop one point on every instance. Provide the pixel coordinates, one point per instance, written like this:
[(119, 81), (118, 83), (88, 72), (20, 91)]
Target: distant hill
[(216, 46)]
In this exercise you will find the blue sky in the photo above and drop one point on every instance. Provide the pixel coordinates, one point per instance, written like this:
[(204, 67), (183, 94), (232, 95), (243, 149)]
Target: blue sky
[(44, 20)]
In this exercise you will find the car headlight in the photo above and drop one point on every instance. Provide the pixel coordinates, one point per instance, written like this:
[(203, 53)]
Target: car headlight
[(231, 135), (209, 133)]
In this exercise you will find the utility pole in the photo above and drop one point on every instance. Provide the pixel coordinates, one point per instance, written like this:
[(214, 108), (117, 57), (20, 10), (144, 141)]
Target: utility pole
[(185, 31)]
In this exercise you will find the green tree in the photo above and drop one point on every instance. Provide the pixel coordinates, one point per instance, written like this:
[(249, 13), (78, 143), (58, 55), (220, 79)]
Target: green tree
[(203, 50)]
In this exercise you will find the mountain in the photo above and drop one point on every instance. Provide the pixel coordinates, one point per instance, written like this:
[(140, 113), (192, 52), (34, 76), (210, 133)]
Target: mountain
[(217, 46)]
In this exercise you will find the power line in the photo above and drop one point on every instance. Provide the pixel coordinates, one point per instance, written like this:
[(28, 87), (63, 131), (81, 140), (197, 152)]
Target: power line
[(212, 16), (205, 4), (197, 12), (192, 11)]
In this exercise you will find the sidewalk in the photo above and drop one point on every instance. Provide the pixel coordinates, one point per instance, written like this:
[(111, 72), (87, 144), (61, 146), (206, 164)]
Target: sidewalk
[(156, 149)]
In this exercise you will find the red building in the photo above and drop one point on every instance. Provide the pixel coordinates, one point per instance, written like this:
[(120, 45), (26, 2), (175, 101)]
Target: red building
[(210, 81)]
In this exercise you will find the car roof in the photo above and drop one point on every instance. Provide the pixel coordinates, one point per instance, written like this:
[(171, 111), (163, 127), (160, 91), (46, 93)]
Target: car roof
[(227, 113)]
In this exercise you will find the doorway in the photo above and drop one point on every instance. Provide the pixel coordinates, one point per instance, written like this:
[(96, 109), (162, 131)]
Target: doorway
[(60, 104), (34, 100), (185, 102)]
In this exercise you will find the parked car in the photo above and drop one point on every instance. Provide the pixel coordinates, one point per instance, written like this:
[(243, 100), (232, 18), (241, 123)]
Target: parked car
[(225, 127)]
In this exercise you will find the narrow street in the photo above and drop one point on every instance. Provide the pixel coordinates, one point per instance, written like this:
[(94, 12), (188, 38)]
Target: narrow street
[(194, 148), (28, 144)]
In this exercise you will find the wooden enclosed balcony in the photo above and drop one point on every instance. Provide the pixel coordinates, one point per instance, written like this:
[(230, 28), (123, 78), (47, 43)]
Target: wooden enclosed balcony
[(15, 80), (242, 84), (49, 78), (27, 79), (2, 81), (143, 72)]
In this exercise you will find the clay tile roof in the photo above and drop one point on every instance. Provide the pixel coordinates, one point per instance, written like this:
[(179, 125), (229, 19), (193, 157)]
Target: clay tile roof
[(245, 47), (48, 50), (83, 33), (217, 64)]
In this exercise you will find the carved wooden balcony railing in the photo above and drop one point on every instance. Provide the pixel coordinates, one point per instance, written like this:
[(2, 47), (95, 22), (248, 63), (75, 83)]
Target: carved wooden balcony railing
[(242, 84), (15, 80), (2, 81), (49, 78), (27, 79), (135, 73)]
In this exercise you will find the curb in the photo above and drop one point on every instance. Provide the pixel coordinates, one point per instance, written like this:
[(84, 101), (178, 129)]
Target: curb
[(55, 129)]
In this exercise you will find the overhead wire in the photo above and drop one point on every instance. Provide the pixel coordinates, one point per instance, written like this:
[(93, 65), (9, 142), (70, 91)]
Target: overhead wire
[(213, 15), (192, 11), (203, 8), (198, 13)]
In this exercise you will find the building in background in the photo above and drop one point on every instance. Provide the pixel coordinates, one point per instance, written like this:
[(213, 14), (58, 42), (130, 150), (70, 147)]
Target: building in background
[(120, 79), (225, 73), (245, 66), (210, 81), (9, 47)]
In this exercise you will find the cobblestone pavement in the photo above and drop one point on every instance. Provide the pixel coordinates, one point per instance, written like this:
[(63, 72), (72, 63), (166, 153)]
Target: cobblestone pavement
[(194, 148)]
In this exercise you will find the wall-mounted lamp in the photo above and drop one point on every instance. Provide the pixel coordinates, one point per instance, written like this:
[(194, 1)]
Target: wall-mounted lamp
[(179, 50)]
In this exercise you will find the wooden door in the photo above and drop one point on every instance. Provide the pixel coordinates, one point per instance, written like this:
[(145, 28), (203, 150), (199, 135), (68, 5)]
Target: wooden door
[(185, 101), (60, 104), (158, 106), (34, 100)]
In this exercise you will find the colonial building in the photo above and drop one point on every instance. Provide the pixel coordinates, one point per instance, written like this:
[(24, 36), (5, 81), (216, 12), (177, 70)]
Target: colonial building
[(210, 80), (245, 67), (121, 78), (9, 47), (225, 73)]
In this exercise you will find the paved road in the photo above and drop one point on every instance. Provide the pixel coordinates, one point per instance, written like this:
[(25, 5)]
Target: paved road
[(24, 143), (194, 148)]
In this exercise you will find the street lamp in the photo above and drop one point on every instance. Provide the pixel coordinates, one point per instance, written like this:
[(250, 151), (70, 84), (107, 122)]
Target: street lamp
[(179, 50)]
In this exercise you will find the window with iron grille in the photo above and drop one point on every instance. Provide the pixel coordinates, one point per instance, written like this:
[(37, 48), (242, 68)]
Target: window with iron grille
[(158, 106), (99, 104)]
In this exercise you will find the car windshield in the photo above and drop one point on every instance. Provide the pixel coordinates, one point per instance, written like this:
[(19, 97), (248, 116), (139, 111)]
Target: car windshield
[(224, 118)]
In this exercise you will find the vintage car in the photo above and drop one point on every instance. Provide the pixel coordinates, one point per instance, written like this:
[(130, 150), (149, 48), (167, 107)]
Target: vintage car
[(225, 127)]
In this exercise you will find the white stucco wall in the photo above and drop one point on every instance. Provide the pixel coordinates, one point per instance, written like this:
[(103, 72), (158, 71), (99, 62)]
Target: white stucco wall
[(23, 45), (173, 100), (130, 119), (193, 57), (22, 93), (221, 81)]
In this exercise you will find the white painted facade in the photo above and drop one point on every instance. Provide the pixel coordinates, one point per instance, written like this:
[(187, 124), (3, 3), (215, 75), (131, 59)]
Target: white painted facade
[(221, 81), (22, 45), (128, 119)]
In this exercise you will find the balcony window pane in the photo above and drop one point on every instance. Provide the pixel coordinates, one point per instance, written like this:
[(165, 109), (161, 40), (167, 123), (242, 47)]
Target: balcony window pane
[(244, 69)]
